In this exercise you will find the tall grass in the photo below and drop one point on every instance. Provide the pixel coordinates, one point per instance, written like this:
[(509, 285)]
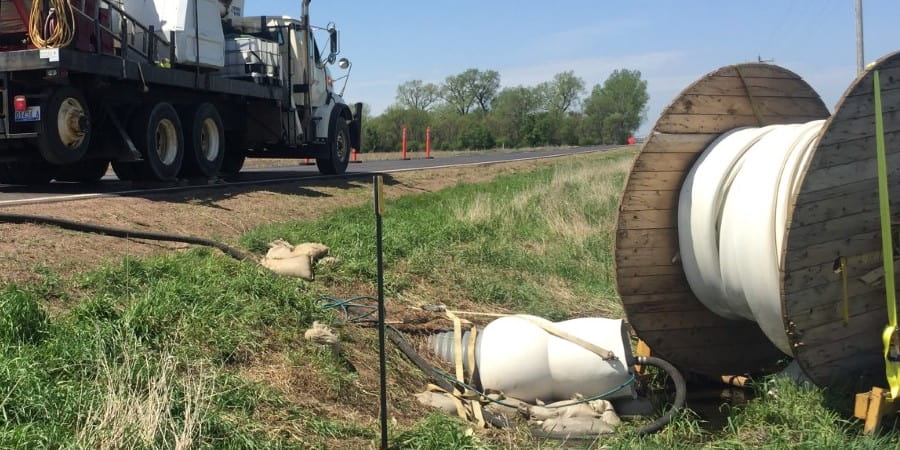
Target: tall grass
[(164, 352)]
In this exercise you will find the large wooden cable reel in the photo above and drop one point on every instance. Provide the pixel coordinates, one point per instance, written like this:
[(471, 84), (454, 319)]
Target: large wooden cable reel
[(835, 218)]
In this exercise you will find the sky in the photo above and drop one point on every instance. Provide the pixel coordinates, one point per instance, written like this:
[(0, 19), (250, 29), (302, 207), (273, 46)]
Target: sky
[(672, 43)]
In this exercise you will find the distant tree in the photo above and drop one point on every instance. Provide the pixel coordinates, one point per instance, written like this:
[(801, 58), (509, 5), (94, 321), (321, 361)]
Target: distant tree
[(471, 88), (487, 84), (615, 110), (418, 95), (512, 112), (563, 92), (459, 90)]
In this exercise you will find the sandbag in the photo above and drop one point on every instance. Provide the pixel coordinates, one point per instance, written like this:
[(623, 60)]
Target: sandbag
[(295, 261), (575, 426)]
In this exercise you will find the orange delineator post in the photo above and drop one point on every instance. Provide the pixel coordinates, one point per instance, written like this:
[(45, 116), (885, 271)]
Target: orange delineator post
[(353, 156), (428, 143), (403, 149)]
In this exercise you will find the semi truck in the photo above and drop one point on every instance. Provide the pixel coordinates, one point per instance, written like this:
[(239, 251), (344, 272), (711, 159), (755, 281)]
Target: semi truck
[(165, 89)]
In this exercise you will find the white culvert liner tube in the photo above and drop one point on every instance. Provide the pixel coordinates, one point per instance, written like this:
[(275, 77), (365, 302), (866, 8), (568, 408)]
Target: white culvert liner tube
[(523, 361), (732, 218)]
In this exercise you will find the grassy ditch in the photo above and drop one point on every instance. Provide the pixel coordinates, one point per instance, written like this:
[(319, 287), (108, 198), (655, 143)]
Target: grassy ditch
[(194, 350)]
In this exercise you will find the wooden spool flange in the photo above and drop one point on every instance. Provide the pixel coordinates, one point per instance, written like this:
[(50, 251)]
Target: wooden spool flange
[(835, 214)]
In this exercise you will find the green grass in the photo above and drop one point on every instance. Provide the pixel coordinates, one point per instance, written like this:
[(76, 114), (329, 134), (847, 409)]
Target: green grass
[(160, 351)]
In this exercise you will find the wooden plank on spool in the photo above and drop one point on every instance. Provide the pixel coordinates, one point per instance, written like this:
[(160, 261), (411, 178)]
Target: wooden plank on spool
[(643, 220), (655, 284), (861, 169), (677, 143), (674, 320), (756, 70), (645, 256), (847, 152), (889, 77), (808, 299), (644, 200), (659, 238), (741, 105), (830, 251), (864, 105), (643, 271), (758, 87), (717, 123), (664, 162), (839, 205), (663, 305), (654, 181), (817, 275), (829, 230), (858, 304), (850, 129)]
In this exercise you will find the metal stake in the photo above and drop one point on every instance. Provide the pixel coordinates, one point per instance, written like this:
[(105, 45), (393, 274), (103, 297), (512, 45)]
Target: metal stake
[(382, 365)]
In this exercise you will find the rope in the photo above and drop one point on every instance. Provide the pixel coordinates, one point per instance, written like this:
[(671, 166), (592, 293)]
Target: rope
[(732, 220), (57, 29)]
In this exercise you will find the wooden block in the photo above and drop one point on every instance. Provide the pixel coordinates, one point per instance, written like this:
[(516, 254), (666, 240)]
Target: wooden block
[(664, 162), (654, 181), (643, 220), (740, 105), (659, 238), (677, 143), (758, 87)]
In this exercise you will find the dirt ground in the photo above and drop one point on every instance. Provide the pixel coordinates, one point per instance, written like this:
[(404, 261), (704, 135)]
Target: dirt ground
[(223, 214)]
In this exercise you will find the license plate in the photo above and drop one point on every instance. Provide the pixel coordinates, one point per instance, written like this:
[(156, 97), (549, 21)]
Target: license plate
[(31, 114)]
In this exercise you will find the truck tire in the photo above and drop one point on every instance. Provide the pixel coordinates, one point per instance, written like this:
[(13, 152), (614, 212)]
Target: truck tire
[(26, 172), (156, 132), (86, 171), (234, 155), (338, 149), (204, 144), (64, 131)]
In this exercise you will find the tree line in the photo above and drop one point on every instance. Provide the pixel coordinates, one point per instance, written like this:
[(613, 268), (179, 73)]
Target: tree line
[(469, 110)]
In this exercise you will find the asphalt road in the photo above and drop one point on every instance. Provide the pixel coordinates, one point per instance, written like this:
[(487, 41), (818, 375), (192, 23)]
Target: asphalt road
[(110, 186)]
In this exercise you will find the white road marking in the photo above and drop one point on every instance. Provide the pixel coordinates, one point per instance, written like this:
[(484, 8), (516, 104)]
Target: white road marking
[(68, 198)]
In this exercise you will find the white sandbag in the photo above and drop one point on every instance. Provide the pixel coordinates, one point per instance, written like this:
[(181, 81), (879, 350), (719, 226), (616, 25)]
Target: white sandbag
[(575, 426), (300, 267), (438, 400), (295, 261), (520, 359)]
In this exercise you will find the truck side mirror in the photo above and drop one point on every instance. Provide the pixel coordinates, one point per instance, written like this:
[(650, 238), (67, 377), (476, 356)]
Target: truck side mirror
[(334, 42)]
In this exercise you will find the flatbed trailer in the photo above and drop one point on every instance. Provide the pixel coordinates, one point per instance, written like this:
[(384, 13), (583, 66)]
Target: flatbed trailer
[(124, 97)]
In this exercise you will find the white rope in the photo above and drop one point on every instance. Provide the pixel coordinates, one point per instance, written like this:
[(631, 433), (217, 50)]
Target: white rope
[(732, 217)]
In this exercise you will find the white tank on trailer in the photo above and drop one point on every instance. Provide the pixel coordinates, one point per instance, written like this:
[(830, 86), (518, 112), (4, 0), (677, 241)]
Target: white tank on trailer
[(178, 16)]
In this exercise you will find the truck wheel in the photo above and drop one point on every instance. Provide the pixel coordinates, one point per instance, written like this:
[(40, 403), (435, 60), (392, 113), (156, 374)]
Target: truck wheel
[(204, 145), (156, 132), (338, 149), (87, 171), (234, 157), (26, 172), (64, 132)]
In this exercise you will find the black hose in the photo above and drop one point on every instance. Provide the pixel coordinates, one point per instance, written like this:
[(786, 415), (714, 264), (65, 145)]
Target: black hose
[(122, 233), (680, 393), (400, 341)]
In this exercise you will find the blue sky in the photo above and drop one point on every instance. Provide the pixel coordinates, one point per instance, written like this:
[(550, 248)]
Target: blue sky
[(671, 42)]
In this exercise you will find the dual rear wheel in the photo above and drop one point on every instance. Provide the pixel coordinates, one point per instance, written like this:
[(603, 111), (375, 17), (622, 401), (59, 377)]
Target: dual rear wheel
[(187, 144)]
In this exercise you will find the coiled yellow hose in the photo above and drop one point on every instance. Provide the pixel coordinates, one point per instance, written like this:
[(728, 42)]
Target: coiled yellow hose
[(63, 30)]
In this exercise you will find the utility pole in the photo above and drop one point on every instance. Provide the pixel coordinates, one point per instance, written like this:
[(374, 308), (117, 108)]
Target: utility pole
[(860, 58)]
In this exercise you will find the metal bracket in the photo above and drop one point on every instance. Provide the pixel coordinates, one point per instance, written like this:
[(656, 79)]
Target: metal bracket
[(134, 154)]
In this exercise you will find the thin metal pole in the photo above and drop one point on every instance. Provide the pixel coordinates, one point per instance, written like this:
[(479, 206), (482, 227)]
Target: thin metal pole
[(382, 364), (860, 54)]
